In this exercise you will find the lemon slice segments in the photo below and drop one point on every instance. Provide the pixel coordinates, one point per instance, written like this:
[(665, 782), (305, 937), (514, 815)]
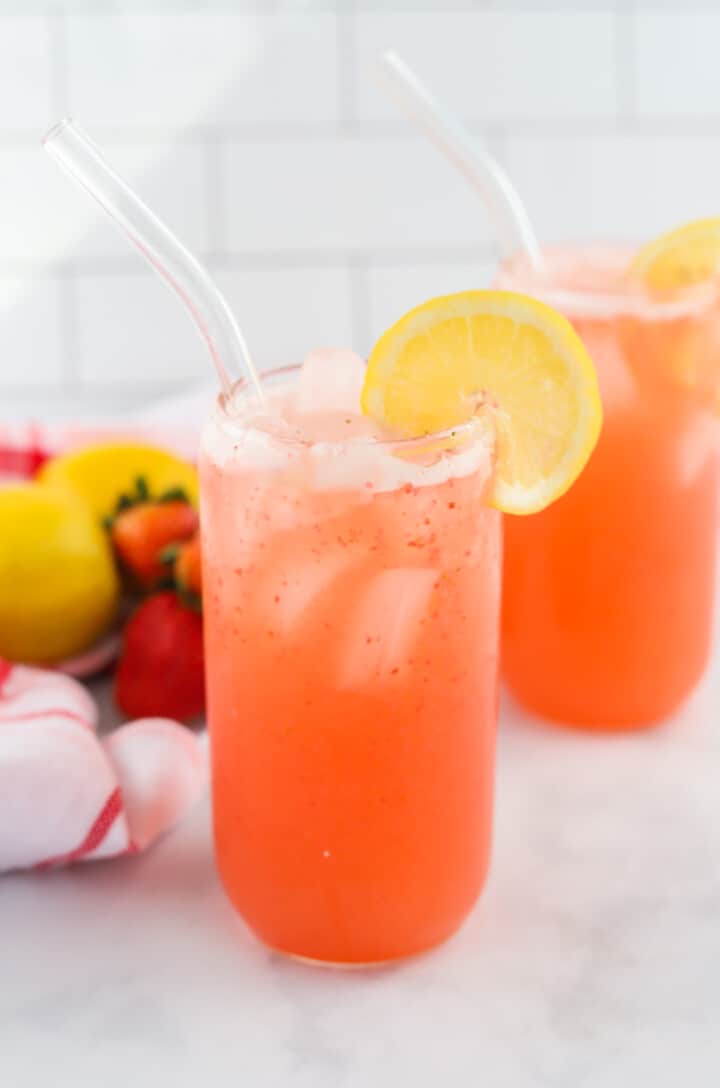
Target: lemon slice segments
[(683, 257), (497, 352)]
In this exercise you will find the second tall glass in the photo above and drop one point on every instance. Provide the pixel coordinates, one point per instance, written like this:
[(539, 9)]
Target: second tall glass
[(608, 594)]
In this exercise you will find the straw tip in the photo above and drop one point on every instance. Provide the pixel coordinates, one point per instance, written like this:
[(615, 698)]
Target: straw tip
[(56, 130), (389, 59)]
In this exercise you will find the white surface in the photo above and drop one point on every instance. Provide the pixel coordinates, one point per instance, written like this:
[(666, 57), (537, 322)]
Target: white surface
[(592, 960)]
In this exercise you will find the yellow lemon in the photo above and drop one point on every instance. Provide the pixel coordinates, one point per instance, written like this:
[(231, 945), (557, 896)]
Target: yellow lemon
[(683, 257), (499, 353), (59, 588), (684, 350), (101, 474)]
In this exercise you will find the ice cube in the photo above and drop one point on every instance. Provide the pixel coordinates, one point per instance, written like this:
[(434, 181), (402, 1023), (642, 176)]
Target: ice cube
[(331, 381), (291, 592), (697, 446), (383, 629)]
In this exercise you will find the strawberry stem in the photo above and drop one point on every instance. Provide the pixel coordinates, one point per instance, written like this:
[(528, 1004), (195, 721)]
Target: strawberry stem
[(142, 495), (169, 554), (173, 494)]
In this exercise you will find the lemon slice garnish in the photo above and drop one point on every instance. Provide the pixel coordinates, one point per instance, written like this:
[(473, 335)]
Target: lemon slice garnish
[(682, 258), (497, 352)]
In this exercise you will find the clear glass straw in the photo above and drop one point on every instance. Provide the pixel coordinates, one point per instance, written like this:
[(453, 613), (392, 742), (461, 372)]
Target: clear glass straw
[(484, 173), (78, 155)]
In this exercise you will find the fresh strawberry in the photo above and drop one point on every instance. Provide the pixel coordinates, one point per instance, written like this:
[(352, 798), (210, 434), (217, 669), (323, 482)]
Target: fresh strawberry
[(142, 529), (160, 673), (187, 567)]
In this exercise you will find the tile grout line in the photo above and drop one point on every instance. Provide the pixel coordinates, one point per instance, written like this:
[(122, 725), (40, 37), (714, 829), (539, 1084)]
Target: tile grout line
[(625, 61), (686, 126), (90, 388), (215, 210), (371, 7), (360, 307), (59, 107), (283, 259), (496, 139), (59, 67), (67, 292), (346, 60)]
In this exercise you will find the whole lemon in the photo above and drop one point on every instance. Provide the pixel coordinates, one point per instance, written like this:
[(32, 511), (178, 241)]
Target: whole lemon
[(59, 588), (101, 474)]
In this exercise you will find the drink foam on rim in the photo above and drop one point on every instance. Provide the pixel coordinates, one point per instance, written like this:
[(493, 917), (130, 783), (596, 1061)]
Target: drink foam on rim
[(276, 442), (592, 282)]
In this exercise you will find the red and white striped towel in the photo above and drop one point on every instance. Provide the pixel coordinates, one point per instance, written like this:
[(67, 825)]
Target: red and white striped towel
[(25, 447), (66, 794)]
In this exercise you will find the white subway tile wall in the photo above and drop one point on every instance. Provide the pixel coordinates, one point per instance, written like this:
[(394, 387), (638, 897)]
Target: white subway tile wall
[(258, 130), (26, 78), (676, 72), (286, 312), (394, 289), (340, 194), (32, 343), (498, 65), (130, 331), (616, 186), (48, 220), (204, 69)]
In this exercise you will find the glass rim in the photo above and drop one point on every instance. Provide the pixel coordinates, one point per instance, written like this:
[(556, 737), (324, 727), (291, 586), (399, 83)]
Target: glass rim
[(448, 436), (635, 300)]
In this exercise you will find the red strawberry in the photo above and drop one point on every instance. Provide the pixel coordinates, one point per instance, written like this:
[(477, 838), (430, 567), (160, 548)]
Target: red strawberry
[(143, 529), (160, 673), (188, 572)]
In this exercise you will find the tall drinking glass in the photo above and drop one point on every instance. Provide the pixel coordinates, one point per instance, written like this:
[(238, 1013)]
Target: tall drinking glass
[(608, 594), (351, 591)]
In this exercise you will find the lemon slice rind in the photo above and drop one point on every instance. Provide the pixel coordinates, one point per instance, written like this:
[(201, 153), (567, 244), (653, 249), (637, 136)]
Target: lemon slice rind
[(682, 257), (519, 360)]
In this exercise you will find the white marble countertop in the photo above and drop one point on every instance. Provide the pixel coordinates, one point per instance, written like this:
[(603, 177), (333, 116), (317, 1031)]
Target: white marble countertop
[(592, 960)]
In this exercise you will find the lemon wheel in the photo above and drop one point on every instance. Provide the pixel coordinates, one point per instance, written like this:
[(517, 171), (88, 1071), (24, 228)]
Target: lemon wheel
[(499, 353), (683, 257)]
